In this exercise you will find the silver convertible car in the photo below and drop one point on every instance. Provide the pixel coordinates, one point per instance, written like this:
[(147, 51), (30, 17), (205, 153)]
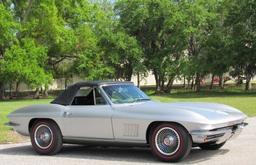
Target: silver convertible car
[(118, 113)]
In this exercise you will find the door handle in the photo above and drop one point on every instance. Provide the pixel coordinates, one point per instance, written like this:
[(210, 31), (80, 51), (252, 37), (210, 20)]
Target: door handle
[(67, 114)]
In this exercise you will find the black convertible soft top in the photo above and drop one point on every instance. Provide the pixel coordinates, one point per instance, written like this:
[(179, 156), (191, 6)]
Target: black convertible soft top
[(66, 97)]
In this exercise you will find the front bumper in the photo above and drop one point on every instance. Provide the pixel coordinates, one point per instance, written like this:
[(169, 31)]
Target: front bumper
[(218, 135)]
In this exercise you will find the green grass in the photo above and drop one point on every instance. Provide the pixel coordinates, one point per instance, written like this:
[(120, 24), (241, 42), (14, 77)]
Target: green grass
[(245, 101), (6, 135)]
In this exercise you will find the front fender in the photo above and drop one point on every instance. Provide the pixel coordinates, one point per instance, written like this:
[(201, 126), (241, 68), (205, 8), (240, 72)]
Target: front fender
[(22, 117)]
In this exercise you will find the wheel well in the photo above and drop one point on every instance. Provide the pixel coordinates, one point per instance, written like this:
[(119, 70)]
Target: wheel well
[(157, 123), (34, 120)]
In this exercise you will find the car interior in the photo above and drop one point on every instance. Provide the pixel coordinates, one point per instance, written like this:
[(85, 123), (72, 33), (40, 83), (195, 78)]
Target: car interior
[(86, 95)]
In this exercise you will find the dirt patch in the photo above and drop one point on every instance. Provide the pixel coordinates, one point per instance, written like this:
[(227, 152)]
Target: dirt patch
[(14, 137)]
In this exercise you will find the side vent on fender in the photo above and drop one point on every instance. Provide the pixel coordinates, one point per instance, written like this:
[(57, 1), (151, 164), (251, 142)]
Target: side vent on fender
[(131, 130)]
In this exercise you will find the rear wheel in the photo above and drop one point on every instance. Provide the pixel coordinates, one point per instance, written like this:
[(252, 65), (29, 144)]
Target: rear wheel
[(46, 137), (211, 146), (170, 142)]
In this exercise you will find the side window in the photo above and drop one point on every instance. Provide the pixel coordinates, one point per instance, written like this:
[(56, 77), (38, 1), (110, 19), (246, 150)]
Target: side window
[(88, 96), (100, 100), (84, 97)]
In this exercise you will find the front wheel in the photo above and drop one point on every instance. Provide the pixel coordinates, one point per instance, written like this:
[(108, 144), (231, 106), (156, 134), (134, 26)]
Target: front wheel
[(46, 137), (170, 142), (211, 146)]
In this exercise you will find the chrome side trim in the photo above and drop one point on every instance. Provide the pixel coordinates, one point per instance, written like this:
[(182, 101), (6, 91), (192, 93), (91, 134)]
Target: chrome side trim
[(102, 141)]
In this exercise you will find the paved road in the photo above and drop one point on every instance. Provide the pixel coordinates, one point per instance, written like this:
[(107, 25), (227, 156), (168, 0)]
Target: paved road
[(238, 151)]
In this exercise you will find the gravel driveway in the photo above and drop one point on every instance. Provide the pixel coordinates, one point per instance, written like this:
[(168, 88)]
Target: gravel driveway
[(238, 151)]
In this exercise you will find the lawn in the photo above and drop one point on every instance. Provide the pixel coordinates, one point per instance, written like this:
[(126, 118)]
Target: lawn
[(6, 107), (244, 101)]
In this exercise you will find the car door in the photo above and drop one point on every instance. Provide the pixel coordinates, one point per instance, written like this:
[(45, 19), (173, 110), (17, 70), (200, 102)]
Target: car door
[(89, 116)]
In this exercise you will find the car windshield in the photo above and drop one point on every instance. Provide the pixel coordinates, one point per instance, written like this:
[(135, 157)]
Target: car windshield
[(120, 94)]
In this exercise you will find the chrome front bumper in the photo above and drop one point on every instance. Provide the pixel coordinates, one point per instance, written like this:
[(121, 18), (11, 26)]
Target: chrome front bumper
[(218, 135)]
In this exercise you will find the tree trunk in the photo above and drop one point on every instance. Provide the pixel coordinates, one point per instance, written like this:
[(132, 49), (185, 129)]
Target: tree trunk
[(211, 85), (46, 91), (197, 83), (2, 91), (27, 11), (157, 79), (17, 88), (138, 80), (10, 91), (221, 81), (184, 82), (188, 84), (129, 76), (169, 85), (65, 82), (248, 83), (162, 84), (37, 93), (192, 83)]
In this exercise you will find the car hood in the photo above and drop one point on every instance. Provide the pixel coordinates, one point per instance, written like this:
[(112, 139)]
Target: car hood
[(211, 111), (207, 112)]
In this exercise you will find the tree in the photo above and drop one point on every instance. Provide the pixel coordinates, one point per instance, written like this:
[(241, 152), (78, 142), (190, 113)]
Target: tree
[(91, 62), (8, 28), (216, 59), (158, 27), (65, 28), (25, 62), (199, 18), (120, 51), (241, 23)]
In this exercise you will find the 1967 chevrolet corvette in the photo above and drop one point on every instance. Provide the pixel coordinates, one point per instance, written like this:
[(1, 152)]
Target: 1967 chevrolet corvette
[(118, 113)]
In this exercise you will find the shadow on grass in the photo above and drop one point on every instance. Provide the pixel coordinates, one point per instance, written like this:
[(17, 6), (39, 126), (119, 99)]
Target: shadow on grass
[(124, 154)]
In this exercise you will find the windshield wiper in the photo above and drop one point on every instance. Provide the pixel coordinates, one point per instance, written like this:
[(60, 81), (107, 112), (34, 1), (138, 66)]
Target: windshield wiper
[(141, 99)]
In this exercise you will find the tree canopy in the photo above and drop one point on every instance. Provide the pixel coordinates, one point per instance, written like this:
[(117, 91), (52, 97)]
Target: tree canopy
[(103, 39)]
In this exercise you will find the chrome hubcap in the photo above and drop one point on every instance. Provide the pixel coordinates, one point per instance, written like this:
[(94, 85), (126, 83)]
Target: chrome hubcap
[(167, 141), (43, 136)]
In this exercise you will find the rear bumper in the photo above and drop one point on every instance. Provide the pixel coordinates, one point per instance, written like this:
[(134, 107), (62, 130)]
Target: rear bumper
[(218, 135)]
